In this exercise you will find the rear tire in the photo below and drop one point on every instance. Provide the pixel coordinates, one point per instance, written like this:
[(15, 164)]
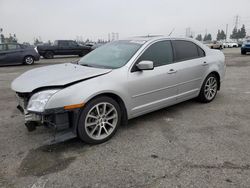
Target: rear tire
[(99, 120), (209, 89), (28, 60), (49, 55)]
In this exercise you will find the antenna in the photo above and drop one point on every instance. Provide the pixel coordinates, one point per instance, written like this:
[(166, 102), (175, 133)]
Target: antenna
[(171, 32)]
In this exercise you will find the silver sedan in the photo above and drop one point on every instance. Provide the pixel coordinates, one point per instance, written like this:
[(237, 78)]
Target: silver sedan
[(116, 82)]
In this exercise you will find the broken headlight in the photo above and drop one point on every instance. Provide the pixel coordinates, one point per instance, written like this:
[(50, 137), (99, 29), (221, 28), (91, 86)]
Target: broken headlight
[(38, 101)]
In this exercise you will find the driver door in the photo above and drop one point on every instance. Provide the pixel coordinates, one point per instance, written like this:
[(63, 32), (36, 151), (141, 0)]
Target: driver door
[(157, 88)]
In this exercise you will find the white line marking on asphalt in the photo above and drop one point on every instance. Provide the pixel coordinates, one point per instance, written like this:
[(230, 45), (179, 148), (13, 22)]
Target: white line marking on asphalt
[(41, 182)]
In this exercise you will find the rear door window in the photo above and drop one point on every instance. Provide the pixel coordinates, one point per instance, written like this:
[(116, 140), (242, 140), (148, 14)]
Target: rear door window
[(13, 46), (72, 43), (185, 50), (63, 44), (201, 52)]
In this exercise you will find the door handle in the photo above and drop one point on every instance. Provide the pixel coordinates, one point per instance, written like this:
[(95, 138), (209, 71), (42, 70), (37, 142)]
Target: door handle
[(172, 71), (204, 63)]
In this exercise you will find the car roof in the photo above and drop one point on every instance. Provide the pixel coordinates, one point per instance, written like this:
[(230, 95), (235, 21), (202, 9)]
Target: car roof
[(158, 37)]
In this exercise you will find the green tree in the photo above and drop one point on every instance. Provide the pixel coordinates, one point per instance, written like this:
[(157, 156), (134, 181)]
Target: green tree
[(218, 35), (49, 42), (223, 35), (235, 34), (199, 37), (209, 37), (2, 39), (242, 32), (37, 41)]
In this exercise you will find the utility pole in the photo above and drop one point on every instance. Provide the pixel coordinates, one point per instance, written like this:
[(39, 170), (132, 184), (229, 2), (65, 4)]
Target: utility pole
[(1, 30), (109, 37), (237, 19), (226, 31), (188, 32)]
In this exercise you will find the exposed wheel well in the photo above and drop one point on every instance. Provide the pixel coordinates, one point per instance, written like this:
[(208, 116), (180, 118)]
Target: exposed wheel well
[(218, 78), (28, 56), (121, 104)]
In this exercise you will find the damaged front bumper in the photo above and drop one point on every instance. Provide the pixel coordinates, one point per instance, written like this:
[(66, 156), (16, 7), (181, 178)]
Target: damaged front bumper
[(62, 122)]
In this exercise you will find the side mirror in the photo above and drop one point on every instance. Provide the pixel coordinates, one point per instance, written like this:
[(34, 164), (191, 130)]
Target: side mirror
[(145, 65)]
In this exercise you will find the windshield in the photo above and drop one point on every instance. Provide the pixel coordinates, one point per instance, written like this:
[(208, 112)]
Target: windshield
[(112, 55)]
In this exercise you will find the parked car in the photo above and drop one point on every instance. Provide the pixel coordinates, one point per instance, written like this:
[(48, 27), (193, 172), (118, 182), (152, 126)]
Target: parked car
[(116, 82), (245, 47), (13, 53), (225, 45), (214, 45), (63, 47), (230, 45)]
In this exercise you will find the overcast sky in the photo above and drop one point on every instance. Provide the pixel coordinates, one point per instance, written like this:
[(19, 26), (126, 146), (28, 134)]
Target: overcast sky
[(67, 19)]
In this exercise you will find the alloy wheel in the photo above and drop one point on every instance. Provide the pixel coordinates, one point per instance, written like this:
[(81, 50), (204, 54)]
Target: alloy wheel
[(210, 88), (29, 60), (101, 121)]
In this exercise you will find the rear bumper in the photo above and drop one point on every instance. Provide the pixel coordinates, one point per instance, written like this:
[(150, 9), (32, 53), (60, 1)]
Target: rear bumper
[(37, 57)]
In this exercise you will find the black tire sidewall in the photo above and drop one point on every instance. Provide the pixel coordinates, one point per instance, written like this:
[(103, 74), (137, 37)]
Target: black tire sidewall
[(33, 60), (49, 55), (202, 97), (81, 123)]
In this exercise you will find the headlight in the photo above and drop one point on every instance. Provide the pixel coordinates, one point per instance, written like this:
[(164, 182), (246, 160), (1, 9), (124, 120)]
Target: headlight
[(243, 45), (38, 101)]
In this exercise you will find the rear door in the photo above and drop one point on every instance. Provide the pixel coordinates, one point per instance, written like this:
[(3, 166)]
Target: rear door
[(14, 54), (191, 65), (153, 89), (75, 49), (63, 48)]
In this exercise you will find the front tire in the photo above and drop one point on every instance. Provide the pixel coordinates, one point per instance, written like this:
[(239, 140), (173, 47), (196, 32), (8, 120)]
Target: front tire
[(243, 52), (99, 120), (28, 60), (209, 89)]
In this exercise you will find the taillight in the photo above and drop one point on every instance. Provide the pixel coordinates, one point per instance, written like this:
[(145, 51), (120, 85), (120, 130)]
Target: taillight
[(36, 49)]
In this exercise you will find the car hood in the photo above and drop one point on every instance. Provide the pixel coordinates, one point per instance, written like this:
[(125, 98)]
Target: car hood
[(55, 75)]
